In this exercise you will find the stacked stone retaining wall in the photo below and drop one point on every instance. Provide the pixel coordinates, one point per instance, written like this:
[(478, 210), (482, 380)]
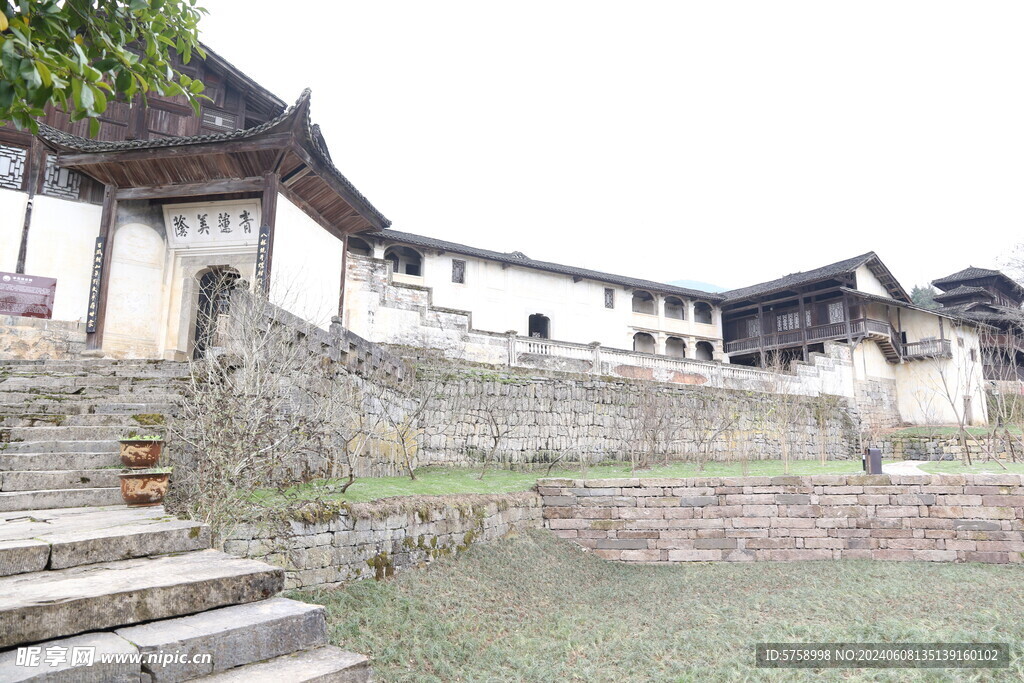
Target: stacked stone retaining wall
[(952, 518), (375, 540)]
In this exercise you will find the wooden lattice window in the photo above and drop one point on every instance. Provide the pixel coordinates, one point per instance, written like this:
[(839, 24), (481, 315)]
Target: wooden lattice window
[(12, 167)]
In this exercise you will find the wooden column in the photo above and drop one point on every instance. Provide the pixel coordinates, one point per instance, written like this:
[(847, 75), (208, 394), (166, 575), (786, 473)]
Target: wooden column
[(344, 272), (36, 159), (108, 219), (268, 212), (760, 331), (846, 314), (803, 323)]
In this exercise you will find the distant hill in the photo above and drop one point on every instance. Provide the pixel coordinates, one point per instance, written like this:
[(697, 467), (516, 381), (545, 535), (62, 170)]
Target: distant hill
[(697, 284)]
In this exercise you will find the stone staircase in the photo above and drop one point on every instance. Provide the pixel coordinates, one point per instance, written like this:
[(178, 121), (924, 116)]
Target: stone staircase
[(133, 593)]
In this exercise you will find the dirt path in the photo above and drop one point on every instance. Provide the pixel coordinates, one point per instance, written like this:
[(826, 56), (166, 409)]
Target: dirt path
[(904, 467)]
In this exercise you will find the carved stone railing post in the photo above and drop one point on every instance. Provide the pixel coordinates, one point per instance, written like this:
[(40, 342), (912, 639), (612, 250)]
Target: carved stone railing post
[(596, 348)]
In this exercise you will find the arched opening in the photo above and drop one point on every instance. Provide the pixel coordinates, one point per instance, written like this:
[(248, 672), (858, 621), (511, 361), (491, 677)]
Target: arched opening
[(359, 246), (702, 312), (405, 260), (643, 342), (540, 326), (675, 347), (215, 286), (674, 308), (704, 351), (643, 302)]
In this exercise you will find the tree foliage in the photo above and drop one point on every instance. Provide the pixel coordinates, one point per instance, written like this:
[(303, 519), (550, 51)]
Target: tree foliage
[(924, 296), (80, 54)]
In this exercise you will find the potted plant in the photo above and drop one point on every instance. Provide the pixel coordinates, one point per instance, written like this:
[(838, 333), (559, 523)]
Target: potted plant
[(141, 451), (143, 488)]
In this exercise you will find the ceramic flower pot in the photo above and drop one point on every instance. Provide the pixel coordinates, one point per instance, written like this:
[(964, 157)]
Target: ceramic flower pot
[(142, 489), (140, 453)]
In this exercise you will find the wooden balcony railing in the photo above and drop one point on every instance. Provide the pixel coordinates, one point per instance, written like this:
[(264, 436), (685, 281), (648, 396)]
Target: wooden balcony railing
[(814, 333), (929, 348)]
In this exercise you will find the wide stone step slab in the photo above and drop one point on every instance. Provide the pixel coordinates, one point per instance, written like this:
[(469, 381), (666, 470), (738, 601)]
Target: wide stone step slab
[(70, 670), (70, 446), (58, 498), (51, 604), (67, 432), (24, 462), (324, 664), (36, 480), (30, 419), (232, 636), (58, 539)]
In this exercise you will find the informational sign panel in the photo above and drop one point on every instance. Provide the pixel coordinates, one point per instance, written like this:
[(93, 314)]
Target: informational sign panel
[(262, 257), (212, 224), (27, 295), (98, 254)]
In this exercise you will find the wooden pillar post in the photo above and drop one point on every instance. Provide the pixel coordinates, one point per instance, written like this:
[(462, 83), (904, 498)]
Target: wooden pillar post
[(803, 323), (846, 314), (760, 331), (268, 212), (36, 162), (344, 272), (108, 218)]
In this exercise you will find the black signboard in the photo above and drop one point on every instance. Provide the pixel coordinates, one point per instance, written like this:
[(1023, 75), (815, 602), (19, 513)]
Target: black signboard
[(27, 295), (92, 316), (262, 255)]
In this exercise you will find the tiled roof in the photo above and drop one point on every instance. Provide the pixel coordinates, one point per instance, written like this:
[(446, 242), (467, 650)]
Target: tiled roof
[(68, 142), (797, 279), (961, 291), (968, 273), (519, 259)]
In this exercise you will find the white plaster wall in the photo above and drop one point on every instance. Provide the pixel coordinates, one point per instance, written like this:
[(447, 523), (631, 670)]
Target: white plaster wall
[(12, 220), (306, 271), (60, 245), (932, 390), (867, 282), (501, 299), (135, 297), (869, 362)]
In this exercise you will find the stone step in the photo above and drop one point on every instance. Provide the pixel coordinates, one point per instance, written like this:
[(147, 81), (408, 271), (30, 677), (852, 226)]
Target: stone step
[(44, 605), (38, 480), (24, 462), (57, 539), (121, 406), (66, 432), (58, 498), (78, 672), (323, 664), (233, 636), (71, 420), (71, 446)]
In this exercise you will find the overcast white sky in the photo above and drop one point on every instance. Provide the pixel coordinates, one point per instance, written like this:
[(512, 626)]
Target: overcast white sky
[(728, 142)]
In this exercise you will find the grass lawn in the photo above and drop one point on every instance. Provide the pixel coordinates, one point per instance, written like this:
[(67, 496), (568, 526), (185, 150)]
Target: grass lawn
[(536, 608), (958, 467), (433, 481)]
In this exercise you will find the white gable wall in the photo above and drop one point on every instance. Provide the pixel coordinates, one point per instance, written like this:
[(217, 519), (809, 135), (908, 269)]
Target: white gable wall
[(306, 267)]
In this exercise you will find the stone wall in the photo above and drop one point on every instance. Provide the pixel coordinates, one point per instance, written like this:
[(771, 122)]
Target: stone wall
[(38, 339), (877, 404), (374, 540), (573, 417), (953, 518), (948, 447)]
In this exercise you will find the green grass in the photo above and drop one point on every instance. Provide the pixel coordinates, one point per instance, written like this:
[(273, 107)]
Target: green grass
[(958, 467), (536, 608), (444, 480)]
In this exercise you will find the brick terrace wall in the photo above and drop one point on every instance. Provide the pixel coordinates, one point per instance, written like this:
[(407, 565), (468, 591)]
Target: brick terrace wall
[(368, 540), (954, 518)]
